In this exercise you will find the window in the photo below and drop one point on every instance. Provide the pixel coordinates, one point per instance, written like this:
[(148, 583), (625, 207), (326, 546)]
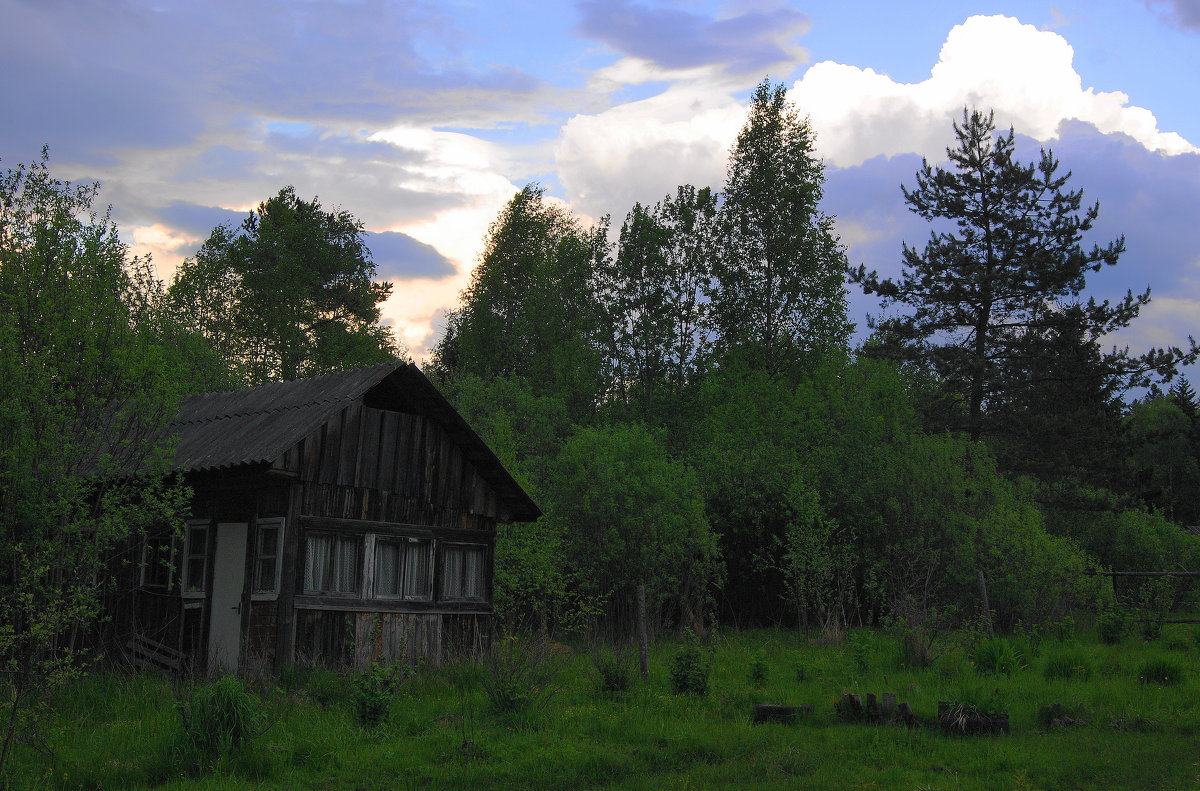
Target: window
[(403, 568), (462, 571), (195, 557), (158, 562), (331, 563), (268, 549)]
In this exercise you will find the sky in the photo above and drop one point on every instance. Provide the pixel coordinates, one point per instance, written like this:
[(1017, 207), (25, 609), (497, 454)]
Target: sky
[(423, 119)]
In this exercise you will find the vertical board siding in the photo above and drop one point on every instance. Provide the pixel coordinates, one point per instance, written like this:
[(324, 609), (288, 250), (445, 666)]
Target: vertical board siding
[(387, 466)]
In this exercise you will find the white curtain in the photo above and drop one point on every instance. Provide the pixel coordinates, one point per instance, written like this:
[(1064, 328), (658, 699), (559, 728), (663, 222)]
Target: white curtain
[(345, 566), (316, 561), (386, 553), (416, 569)]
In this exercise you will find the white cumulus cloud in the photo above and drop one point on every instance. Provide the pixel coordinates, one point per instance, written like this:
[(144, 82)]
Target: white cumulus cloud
[(1026, 75)]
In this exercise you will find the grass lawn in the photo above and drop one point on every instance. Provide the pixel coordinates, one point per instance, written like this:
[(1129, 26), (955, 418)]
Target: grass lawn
[(441, 731)]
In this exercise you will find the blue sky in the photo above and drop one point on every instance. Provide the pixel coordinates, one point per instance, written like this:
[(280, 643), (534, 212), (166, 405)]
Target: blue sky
[(423, 118)]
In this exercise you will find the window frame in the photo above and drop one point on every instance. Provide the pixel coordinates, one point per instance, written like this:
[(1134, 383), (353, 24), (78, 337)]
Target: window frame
[(359, 541), (279, 524), (152, 545), (408, 541), (189, 552), (484, 551)]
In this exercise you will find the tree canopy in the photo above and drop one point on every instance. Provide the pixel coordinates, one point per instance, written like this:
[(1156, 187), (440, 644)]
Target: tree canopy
[(1007, 272), (289, 293)]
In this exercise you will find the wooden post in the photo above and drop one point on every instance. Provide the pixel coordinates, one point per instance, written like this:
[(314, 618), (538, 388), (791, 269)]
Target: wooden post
[(987, 608), (643, 639)]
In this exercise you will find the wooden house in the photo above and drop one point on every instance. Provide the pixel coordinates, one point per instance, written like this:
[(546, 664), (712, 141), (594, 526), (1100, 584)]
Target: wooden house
[(342, 519)]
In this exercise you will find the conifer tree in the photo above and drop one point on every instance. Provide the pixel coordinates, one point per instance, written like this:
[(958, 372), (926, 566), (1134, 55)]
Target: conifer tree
[(985, 294)]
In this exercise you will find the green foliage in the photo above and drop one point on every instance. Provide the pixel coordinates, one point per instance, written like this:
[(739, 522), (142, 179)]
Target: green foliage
[(987, 296), (531, 309), (219, 718), (86, 389), (690, 668), (1112, 625), (652, 293), (974, 698), (374, 690), (759, 670), (288, 294), (325, 686), (630, 516), (1067, 666), (1057, 715), (779, 294), (615, 669), (520, 676), (998, 656)]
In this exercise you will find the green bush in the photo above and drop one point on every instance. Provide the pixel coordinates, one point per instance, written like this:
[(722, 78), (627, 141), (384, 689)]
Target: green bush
[(689, 670), (1112, 626), (373, 692), (519, 676), (1166, 672), (219, 718), (758, 672), (998, 656), (616, 675)]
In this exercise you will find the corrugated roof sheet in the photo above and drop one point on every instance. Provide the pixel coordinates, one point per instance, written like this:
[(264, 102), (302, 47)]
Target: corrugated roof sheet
[(258, 424)]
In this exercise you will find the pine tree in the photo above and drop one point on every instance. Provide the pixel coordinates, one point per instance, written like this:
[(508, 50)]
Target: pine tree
[(985, 295)]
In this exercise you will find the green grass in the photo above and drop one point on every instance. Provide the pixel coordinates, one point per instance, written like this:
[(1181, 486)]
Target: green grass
[(123, 732)]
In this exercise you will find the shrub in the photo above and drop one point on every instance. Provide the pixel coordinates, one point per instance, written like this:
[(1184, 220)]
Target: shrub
[(1160, 671), (373, 692), (519, 676), (219, 718), (1112, 626), (758, 669), (859, 643), (689, 670), (1066, 666), (1151, 627), (616, 675), (998, 656)]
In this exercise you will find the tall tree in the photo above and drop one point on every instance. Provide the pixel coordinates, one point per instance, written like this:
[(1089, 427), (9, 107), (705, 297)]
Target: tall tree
[(86, 388), (985, 293), (290, 293), (653, 297), (780, 293), (531, 310)]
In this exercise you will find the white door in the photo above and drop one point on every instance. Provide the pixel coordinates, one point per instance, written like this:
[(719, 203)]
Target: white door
[(229, 576)]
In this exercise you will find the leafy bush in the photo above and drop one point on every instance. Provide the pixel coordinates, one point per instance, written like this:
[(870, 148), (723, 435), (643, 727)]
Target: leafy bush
[(1067, 665), (616, 674), (1151, 627), (373, 692), (689, 670), (758, 669), (998, 656), (219, 718), (1160, 671), (519, 676), (1112, 625)]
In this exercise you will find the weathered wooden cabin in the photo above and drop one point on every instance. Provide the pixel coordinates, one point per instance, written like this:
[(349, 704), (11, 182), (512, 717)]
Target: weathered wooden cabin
[(341, 519)]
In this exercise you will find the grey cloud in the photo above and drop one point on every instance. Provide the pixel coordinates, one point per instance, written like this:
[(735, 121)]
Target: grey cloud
[(1183, 14), (93, 77), (676, 38), (199, 220), (398, 256)]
